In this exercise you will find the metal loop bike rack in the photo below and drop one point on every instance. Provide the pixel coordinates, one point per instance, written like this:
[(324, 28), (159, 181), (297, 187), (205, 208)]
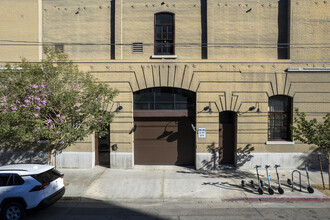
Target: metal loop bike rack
[(292, 182)]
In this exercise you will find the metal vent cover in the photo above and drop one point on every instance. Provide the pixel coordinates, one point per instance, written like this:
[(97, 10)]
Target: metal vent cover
[(137, 47), (59, 47)]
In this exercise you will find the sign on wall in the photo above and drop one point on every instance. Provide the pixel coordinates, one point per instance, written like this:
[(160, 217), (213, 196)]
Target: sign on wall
[(201, 132)]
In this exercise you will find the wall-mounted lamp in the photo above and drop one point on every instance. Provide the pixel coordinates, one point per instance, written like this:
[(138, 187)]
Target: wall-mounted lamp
[(119, 108), (208, 108), (133, 129), (114, 147), (252, 108)]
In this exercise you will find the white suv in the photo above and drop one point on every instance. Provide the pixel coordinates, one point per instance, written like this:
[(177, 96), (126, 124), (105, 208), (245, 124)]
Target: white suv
[(28, 186)]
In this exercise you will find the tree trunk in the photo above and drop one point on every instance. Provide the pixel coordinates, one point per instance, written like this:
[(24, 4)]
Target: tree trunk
[(55, 157), (51, 157), (48, 156)]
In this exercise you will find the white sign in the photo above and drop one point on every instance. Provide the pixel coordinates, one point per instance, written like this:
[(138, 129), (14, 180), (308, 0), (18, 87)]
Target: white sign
[(201, 132)]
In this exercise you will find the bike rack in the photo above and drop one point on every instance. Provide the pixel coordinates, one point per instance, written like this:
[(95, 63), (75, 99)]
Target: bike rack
[(292, 182)]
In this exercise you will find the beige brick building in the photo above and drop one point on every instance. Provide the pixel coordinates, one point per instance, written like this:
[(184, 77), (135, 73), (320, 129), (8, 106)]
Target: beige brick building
[(193, 75)]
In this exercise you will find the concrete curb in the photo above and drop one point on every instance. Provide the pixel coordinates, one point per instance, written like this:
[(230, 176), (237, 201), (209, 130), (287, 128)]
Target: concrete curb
[(154, 201), (235, 199), (278, 199)]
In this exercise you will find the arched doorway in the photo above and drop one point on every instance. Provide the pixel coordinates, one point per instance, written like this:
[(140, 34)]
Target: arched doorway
[(227, 137), (164, 120)]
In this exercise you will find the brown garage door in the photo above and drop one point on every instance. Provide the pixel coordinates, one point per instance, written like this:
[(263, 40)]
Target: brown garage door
[(164, 141)]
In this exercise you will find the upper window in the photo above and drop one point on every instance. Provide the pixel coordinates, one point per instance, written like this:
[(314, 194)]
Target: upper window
[(164, 33), (279, 118)]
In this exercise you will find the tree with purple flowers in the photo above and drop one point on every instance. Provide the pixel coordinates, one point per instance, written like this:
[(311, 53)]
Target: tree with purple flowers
[(51, 102)]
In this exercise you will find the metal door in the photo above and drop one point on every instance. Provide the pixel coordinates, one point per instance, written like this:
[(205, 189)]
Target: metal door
[(164, 141), (227, 137), (102, 149)]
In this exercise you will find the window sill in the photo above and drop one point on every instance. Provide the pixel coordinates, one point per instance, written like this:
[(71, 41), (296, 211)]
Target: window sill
[(164, 57), (279, 142)]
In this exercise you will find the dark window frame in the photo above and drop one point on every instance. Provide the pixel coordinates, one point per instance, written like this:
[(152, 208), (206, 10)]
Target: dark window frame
[(284, 119), (170, 97), (165, 44)]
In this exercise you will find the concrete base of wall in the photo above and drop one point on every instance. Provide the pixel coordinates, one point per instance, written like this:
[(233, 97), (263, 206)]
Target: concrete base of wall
[(249, 161), (121, 160), (285, 160), (81, 160), (10, 157), (86, 160), (206, 161)]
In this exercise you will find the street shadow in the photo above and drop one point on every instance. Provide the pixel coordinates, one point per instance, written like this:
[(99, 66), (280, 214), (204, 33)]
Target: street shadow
[(87, 208), (221, 172), (225, 172), (296, 187), (230, 186), (248, 188)]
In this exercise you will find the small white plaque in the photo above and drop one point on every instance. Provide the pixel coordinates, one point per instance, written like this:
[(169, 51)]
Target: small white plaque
[(201, 132)]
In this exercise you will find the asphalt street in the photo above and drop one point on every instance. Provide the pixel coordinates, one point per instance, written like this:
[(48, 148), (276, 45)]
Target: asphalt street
[(171, 192), (83, 209)]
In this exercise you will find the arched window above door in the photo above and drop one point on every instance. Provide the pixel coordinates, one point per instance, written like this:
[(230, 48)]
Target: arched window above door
[(164, 98)]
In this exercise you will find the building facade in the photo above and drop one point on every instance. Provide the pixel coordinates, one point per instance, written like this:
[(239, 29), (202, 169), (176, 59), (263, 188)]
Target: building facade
[(199, 80)]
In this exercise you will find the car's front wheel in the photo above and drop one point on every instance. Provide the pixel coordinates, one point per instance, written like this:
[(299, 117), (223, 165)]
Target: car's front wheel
[(13, 211)]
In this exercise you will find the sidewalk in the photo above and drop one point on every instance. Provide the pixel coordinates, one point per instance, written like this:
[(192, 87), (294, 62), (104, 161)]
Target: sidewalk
[(165, 183)]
